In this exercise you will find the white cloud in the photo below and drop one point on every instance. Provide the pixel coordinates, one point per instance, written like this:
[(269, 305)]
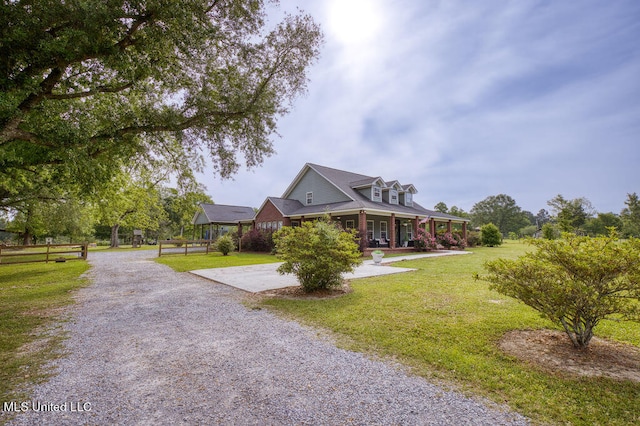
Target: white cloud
[(467, 100)]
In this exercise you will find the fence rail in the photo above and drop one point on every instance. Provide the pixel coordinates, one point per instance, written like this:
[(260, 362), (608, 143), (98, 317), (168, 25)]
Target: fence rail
[(184, 247), (11, 255)]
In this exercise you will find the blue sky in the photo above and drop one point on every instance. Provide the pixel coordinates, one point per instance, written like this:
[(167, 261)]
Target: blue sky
[(466, 99)]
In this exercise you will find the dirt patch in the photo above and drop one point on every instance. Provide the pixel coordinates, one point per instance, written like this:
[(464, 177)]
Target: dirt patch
[(298, 293), (552, 351)]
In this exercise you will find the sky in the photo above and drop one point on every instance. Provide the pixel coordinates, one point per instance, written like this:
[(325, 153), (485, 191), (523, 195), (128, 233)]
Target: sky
[(465, 100)]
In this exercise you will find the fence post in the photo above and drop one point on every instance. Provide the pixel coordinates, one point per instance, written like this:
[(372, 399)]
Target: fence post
[(159, 248), (48, 248)]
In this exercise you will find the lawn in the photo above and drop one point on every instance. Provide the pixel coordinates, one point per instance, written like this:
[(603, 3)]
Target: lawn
[(445, 325), (191, 262), (31, 296)]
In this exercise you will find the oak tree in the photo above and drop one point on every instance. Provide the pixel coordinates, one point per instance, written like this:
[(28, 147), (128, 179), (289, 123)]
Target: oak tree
[(87, 85)]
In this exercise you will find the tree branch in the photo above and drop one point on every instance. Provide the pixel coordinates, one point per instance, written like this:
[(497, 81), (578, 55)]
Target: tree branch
[(99, 89)]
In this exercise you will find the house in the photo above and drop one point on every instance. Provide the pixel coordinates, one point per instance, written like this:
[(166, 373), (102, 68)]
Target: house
[(384, 211)]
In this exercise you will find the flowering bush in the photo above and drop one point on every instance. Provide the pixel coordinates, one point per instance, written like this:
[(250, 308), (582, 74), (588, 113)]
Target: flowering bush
[(449, 240), (424, 241)]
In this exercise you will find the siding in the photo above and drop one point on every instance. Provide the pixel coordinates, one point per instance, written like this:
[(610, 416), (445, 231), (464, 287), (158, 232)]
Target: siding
[(323, 191)]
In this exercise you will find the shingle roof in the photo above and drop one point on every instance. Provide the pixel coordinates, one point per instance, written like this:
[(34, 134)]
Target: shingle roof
[(347, 182), (218, 213)]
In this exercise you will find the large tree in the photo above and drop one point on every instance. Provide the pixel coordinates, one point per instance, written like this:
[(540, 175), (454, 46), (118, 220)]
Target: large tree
[(87, 85), (631, 216), (131, 199), (571, 215), (502, 211)]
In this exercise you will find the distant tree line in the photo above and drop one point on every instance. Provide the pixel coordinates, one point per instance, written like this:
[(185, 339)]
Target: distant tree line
[(577, 216)]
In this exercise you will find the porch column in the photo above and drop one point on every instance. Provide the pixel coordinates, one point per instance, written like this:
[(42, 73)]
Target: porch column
[(432, 227), (464, 231), (416, 224), (393, 231), (449, 227), (362, 226)]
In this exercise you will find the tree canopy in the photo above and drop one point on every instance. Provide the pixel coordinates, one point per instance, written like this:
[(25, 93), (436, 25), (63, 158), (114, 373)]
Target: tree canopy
[(87, 85), (502, 211)]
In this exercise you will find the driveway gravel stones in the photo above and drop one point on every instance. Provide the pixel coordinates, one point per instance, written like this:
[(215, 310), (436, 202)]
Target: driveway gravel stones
[(150, 346)]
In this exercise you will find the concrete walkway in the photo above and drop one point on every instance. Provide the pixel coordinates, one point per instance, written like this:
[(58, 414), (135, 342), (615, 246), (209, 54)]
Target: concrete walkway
[(257, 278)]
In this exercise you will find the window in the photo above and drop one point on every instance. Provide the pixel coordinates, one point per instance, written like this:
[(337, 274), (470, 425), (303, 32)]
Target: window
[(383, 230), (370, 230), (309, 198), (408, 199), (350, 224), (376, 193), (295, 223), (409, 231), (393, 196), (279, 224)]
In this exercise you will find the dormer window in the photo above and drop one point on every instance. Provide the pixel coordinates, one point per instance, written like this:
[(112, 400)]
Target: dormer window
[(393, 196), (376, 193), (408, 199)]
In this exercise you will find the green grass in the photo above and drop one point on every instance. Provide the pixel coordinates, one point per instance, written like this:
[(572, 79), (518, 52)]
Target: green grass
[(446, 325), (191, 262), (31, 296)]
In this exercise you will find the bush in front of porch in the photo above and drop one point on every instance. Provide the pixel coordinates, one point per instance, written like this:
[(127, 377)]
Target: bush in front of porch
[(318, 253)]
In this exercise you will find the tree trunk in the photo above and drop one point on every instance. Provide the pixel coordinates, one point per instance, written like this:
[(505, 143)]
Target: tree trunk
[(114, 236)]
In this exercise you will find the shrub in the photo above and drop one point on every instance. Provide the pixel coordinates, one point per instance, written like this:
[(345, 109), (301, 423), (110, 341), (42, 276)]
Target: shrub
[(550, 232), (528, 231), (423, 240), (318, 253), (490, 235), (575, 281), (450, 240), (473, 239), (179, 241), (225, 244), (257, 240)]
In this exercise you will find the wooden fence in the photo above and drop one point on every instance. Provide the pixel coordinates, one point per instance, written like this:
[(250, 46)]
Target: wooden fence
[(11, 255), (184, 247)]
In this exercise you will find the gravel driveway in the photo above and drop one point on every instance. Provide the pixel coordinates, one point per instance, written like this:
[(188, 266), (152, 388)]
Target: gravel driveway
[(151, 346)]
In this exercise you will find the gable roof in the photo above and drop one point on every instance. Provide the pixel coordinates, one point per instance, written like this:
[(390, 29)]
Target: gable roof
[(348, 183), (219, 213), (284, 205)]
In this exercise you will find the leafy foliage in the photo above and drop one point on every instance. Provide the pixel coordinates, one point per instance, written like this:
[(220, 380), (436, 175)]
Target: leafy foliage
[(571, 215), (630, 216), (88, 86), (502, 211), (575, 281), (490, 235), (225, 244), (550, 232), (257, 240), (450, 240), (423, 240), (318, 253)]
